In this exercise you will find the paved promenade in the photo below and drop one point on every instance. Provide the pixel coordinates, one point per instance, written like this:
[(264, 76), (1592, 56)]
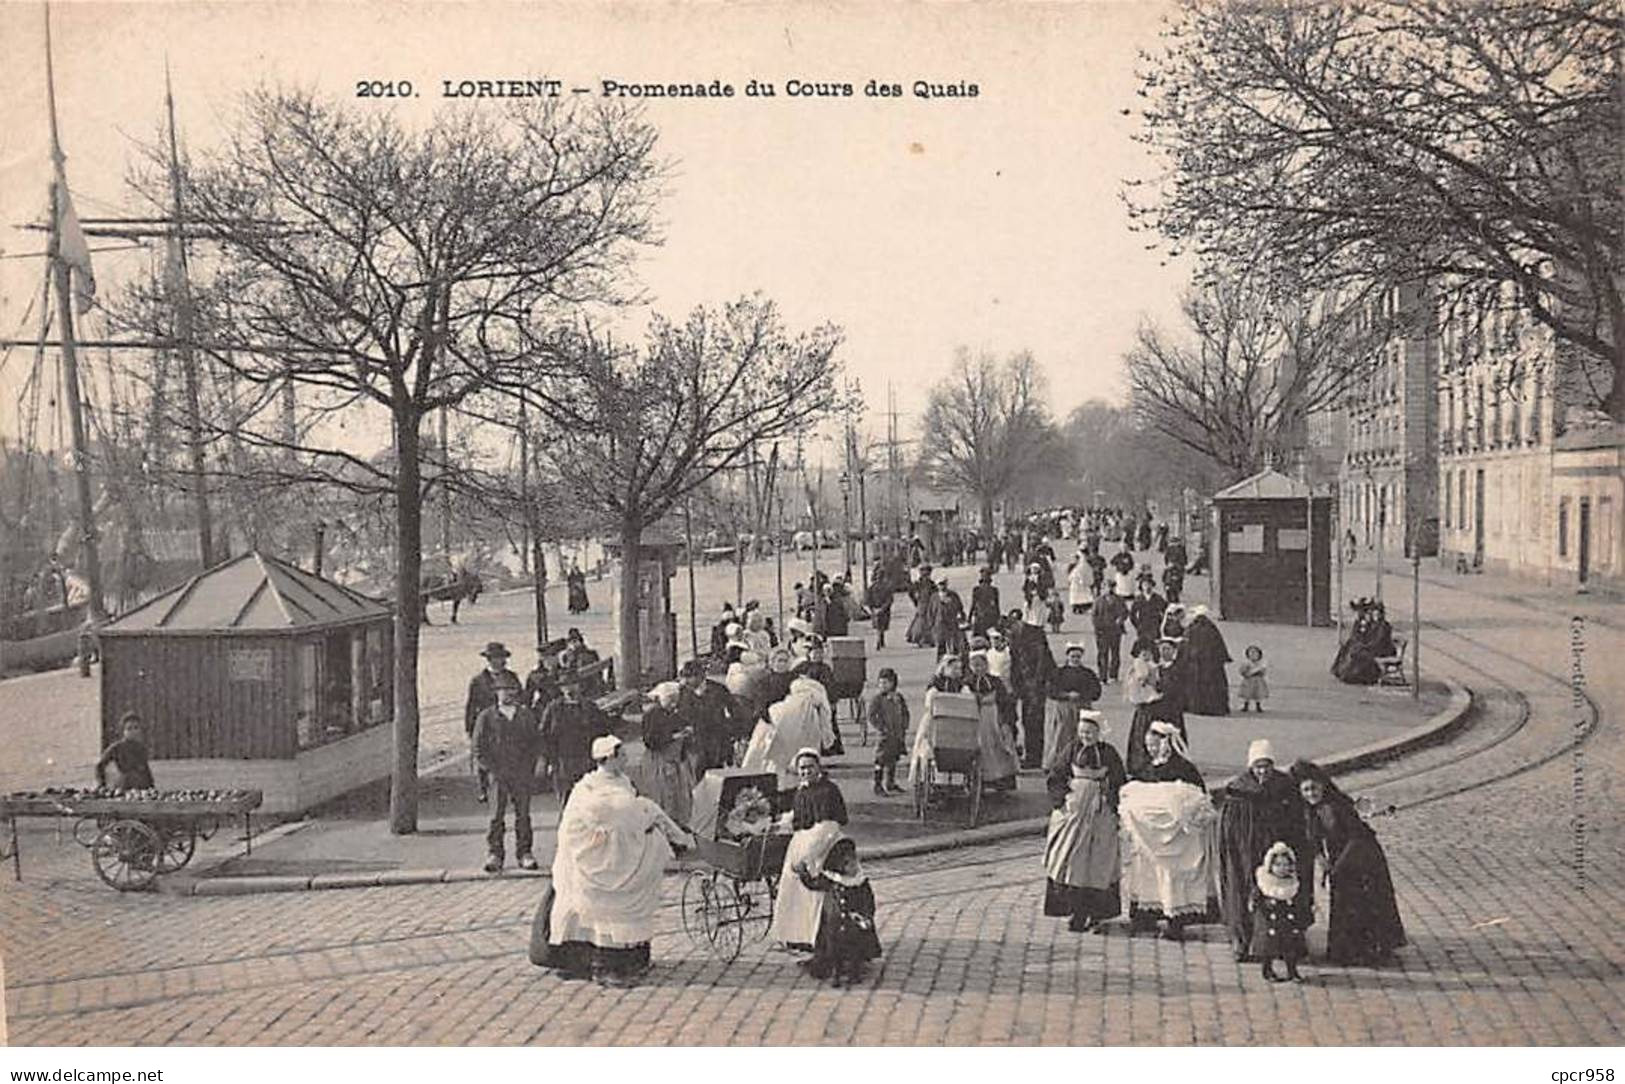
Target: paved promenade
[(1510, 879)]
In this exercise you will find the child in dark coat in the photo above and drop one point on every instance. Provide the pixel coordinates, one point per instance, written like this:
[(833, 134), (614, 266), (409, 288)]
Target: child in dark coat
[(887, 712), (1279, 919), (846, 939)]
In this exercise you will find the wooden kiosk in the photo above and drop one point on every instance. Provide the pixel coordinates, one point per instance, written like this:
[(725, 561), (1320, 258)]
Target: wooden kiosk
[(1269, 532), (256, 674)]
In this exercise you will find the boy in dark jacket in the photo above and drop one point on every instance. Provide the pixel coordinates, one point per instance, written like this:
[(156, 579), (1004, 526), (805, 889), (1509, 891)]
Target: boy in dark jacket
[(887, 712)]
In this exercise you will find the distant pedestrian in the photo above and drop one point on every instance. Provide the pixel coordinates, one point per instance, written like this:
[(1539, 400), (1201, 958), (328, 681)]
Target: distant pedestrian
[(1109, 614), (576, 583), (569, 726), (1255, 687), (888, 714), (482, 694), (506, 743)]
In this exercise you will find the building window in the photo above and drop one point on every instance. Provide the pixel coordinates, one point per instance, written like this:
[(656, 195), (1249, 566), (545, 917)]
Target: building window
[(1563, 527), (1446, 511)]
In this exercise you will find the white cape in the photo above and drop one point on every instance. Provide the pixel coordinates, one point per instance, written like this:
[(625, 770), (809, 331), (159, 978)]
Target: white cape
[(607, 870), (800, 721), (1169, 847)]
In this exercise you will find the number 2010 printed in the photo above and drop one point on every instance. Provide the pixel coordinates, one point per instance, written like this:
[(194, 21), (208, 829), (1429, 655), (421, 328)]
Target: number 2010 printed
[(378, 88)]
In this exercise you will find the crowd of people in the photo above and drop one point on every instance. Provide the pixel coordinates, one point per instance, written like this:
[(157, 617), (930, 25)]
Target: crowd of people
[(1134, 832)]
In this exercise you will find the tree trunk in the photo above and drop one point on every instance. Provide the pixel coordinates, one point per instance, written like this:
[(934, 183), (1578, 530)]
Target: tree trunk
[(403, 789), (987, 514), (539, 560), (630, 662)]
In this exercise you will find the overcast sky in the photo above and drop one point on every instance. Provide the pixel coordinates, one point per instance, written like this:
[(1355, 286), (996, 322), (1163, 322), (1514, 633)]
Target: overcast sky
[(992, 222)]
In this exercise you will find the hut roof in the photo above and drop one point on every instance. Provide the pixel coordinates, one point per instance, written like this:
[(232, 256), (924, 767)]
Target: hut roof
[(1265, 485), (251, 592)]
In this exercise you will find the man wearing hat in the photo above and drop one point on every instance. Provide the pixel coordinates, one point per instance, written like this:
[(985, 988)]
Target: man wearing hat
[(569, 726), (482, 694), (984, 604), (712, 711), (506, 741)]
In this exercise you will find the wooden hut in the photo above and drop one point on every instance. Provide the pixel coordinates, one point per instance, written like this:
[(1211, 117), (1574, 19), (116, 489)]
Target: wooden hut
[(1269, 531), (257, 674)]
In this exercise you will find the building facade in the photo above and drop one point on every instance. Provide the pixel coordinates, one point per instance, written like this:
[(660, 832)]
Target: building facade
[(1524, 486), (1388, 479)]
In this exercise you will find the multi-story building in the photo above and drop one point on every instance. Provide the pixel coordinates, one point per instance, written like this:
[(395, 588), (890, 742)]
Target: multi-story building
[(1389, 472), (1523, 487)]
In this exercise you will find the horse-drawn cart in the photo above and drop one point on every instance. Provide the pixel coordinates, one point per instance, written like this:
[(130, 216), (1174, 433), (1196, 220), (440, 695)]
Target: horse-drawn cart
[(132, 837)]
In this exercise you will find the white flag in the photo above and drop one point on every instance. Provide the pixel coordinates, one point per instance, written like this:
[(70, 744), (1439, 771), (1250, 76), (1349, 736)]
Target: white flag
[(74, 249)]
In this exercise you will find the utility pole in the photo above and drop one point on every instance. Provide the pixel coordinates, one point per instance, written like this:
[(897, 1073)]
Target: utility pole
[(693, 607), (445, 488), (181, 285), (63, 275)]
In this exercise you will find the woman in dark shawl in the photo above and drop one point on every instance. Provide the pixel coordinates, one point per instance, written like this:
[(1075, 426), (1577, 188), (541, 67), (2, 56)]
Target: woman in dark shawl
[(1202, 659), (923, 627), (1257, 809), (1370, 639), (1364, 927)]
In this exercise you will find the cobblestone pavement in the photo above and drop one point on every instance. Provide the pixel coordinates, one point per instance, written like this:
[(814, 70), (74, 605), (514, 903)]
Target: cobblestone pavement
[(1510, 893)]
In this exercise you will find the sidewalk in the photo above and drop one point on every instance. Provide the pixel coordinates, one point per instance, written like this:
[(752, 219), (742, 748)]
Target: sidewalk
[(1309, 714)]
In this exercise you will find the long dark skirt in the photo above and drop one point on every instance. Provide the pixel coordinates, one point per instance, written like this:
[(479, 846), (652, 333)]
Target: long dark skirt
[(1364, 927), (580, 959), (1066, 901)]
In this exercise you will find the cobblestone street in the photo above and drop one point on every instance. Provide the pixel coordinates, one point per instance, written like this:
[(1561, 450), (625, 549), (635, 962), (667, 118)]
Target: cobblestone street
[(1514, 937)]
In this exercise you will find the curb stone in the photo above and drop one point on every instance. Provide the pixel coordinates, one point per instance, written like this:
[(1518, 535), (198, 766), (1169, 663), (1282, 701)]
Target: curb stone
[(1438, 728)]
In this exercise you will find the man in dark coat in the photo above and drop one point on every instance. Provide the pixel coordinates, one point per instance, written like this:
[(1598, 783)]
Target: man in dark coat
[(950, 616), (482, 693), (1108, 616), (879, 601), (1145, 612), (568, 728), (1202, 660), (984, 604), (714, 714), (506, 743), (1032, 665), (542, 683), (1257, 809)]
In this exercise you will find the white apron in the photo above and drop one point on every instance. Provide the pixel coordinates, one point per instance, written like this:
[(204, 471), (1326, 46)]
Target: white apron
[(797, 908), (1082, 849)]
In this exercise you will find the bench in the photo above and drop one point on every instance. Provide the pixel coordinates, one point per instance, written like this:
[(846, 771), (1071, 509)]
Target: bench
[(1393, 666)]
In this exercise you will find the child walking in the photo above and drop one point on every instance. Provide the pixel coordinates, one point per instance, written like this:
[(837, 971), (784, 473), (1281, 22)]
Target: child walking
[(888, 714), (846, 939), (1255, 687), (1278, 918)]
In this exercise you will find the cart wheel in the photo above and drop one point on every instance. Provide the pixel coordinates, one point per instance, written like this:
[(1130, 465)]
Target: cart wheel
[(126, 855), (974, 777), (724, 920), (179, 842), (755, 907), (87, 830), (697, 901), (922, 789)]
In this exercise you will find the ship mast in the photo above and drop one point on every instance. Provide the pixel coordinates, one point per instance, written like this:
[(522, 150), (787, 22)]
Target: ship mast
[(63, 274), (181, 285)]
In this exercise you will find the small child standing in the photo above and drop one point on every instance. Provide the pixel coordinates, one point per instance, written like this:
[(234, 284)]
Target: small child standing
[(888, 714), (1255, 688), (1279, 919), (846, 939)]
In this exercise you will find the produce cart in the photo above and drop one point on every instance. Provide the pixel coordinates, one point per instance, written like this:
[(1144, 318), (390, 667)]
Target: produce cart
[(947, 755), (132, 836), (729, 898)]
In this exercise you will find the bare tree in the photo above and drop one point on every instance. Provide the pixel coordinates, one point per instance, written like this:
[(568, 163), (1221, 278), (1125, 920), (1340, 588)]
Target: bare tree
[(1239, 387), (1472, 146), (636, 431), (389, 273), (985, 427)]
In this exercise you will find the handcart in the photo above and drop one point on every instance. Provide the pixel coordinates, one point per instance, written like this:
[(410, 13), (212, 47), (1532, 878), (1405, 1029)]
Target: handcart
[(947, 757), (729, 898), (132, 840), (848, 661)]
